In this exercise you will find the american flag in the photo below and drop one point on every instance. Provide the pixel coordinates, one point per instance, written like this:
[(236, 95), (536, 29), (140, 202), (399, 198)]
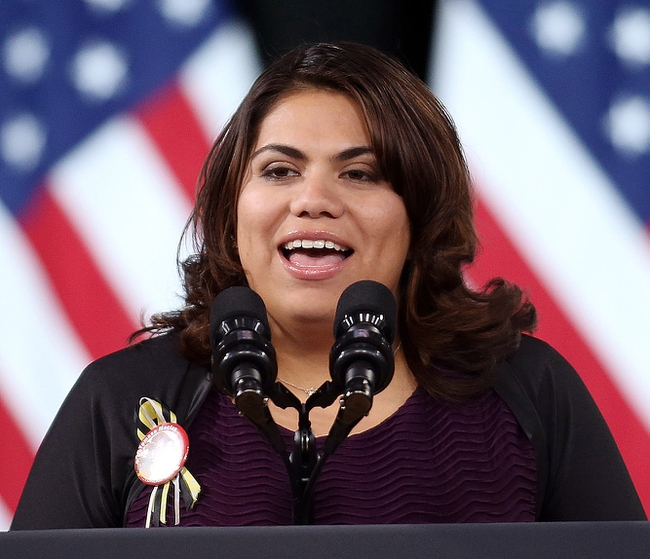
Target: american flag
[(108, 107), (552, 102), (107, 110)]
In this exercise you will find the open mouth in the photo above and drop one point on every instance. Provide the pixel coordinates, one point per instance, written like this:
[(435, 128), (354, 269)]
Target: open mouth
[(314, 253)]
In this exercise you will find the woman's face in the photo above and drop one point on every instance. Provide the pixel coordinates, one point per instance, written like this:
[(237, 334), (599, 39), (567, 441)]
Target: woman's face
[(314, 213)]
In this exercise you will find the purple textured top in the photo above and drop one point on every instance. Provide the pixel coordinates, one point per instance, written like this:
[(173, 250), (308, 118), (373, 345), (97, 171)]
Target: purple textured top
[(429, 462)]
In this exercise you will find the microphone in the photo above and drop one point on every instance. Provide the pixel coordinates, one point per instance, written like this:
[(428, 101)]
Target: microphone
[(361, 360), (243, 359)]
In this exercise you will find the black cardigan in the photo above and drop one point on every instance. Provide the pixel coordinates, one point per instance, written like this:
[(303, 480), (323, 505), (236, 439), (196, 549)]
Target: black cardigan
[(83, 474)]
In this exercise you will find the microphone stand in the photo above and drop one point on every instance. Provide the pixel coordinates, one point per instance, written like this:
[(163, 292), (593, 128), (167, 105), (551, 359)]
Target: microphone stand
[(361, 364), (305, 463)]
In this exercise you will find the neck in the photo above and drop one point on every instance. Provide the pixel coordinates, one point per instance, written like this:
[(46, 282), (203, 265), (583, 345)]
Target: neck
[(303, 356)]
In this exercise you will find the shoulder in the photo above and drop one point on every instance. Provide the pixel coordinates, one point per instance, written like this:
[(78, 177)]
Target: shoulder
[(91, 443), (534, 355), (143, 358), (154, 368), (581, 473), (537, 380), (157, 360), (539, 370)]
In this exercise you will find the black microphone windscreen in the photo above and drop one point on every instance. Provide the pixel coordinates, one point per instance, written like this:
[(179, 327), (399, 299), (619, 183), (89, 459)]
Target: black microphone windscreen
[(238, 302), (369, 297)]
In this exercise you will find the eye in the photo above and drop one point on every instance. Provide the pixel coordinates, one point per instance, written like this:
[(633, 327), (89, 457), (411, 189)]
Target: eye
[(361, 175), (279, 172)]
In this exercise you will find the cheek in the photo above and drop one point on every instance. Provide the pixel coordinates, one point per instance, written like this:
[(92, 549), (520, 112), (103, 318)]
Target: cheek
[(258, 206), (246, 221), (397, 242), (256, 225), (250, 211), (392, 225)]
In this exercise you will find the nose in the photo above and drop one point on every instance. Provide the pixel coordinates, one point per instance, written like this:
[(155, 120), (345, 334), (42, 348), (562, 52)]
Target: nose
[(317, 196)]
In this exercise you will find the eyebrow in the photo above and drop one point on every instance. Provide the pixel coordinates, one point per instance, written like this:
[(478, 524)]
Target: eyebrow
[(289, 151), (285, 150), (351, 153)]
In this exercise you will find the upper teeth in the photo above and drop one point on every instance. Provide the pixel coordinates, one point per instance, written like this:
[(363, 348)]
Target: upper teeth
[(305, 243)]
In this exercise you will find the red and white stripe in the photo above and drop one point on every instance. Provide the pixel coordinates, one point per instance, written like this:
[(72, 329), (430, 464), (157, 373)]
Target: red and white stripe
[(552, 221), (96, 248)]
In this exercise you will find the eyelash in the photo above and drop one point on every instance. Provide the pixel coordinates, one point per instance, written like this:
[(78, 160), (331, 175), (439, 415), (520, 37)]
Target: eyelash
[(272, 172), (366, 176), (281, 172)]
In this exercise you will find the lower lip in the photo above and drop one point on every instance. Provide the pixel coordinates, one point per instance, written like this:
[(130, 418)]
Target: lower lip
[(313, 273)]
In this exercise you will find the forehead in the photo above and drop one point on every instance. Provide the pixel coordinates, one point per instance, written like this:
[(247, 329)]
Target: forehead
[(312, 114)]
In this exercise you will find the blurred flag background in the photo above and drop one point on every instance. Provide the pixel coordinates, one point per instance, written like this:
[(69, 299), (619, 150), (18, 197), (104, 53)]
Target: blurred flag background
[(552, 102), (108, 108)]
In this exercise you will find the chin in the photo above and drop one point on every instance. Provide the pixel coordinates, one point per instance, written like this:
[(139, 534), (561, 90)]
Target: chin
[(297, 305), (315, 315)]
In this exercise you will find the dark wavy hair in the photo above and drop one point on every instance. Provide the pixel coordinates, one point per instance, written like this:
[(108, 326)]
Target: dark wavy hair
[(452, 335)]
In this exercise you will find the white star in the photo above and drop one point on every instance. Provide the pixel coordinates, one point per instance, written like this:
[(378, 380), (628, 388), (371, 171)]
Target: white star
[(26, 54), (110, 6), (188, 13), (558, 27), (99, 71), (22, 140), (630, 35), (628, 125)]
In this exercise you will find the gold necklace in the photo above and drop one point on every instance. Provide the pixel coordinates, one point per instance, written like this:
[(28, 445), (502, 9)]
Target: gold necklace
[(311, 390)]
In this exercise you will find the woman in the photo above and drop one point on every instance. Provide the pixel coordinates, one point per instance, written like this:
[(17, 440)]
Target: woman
[(340, 166)]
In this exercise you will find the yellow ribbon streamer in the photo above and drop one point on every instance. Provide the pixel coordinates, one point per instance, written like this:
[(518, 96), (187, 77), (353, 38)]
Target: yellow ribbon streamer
[(152, 413)]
